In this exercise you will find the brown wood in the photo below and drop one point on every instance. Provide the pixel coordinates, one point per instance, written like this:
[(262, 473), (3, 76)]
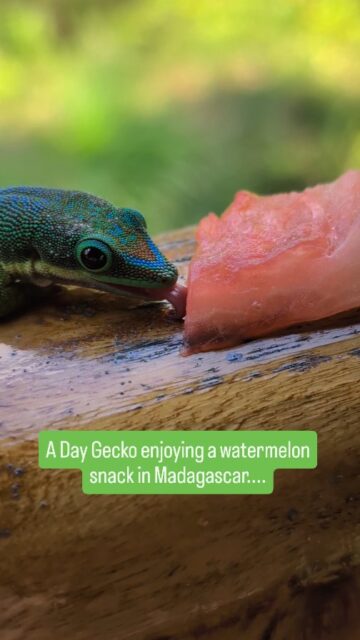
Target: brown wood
[(81, 567)]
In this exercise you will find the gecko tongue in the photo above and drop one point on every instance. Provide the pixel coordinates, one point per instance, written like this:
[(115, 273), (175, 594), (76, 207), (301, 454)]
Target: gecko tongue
[(176, 295)]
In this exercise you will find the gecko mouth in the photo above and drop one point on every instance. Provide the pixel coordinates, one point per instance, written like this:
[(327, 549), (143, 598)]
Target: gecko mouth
[(175, 295)]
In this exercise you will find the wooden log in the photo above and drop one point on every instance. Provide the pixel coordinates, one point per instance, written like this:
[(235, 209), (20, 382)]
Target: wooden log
[(176, 567)]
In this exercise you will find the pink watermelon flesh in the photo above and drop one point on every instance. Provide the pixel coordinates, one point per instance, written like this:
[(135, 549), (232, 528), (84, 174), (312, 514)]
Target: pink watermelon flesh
[(273, 261)]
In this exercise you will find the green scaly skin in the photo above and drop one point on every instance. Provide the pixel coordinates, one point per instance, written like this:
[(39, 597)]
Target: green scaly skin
[(52, 236)]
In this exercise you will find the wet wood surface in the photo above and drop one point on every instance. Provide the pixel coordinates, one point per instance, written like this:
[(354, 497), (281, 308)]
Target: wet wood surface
[(176, 567)]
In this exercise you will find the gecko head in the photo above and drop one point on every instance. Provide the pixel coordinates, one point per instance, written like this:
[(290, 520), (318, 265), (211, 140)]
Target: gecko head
[(123, 258), (86, 241)]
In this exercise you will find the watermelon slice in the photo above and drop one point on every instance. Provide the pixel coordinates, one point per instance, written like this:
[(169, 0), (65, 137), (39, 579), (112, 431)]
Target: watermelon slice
[(274, 261)]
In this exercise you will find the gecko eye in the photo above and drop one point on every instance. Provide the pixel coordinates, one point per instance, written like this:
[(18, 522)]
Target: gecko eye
[(94, 255)]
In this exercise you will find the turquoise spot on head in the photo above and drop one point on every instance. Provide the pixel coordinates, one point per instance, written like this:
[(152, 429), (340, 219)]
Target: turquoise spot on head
[(133, 218), (116, 231)]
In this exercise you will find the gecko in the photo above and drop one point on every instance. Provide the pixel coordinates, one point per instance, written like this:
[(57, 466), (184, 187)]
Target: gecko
[(54, 236)]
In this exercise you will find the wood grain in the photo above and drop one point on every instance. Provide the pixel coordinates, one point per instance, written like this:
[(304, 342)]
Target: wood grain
[(176, 567)]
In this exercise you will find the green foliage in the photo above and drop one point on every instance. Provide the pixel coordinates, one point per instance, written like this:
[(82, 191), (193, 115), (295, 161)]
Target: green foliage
[(170, 107)]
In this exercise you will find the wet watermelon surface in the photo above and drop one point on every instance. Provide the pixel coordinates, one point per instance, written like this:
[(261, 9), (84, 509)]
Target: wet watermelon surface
[(273, 261)]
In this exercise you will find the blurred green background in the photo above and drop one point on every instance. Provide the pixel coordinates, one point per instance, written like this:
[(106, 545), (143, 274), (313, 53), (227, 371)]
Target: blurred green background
[(170, 106)]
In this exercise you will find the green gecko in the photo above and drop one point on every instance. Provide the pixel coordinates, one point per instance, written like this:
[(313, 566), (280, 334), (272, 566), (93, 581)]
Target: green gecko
[(52, 236)]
